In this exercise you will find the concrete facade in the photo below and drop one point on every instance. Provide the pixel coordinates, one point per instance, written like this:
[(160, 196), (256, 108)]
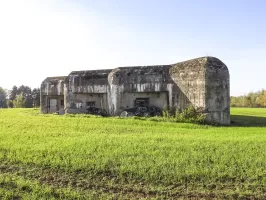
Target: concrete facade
[(52, 95), (201, 82)]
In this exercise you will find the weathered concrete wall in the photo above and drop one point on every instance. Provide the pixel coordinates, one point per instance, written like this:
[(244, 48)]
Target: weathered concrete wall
[(86, 86), (189, 83), (125, 82), (94, 81), (78, 103), (51, 88), (47, 108), (217, 96), (201, 82)]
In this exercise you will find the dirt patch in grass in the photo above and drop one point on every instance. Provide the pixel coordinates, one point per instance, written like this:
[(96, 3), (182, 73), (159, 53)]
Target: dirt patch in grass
[(85, 183)]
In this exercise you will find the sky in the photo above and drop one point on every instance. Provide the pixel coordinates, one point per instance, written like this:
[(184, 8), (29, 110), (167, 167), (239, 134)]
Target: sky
[(43, 38)]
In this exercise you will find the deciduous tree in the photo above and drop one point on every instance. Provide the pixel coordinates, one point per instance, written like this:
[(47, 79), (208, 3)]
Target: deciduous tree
[(3, 100), (19, 102)]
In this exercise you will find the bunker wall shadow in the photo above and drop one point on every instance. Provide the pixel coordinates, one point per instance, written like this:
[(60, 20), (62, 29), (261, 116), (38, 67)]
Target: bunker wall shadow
[(248, 121)]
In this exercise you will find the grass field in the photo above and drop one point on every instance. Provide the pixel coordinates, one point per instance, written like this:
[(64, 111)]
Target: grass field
[(87, 157)]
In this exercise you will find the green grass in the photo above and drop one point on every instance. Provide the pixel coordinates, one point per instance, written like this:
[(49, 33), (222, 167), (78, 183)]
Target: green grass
[(87, 157), (249, 117)]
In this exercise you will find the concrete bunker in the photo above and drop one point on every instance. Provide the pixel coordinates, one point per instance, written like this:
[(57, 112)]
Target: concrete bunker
[(201, 82)]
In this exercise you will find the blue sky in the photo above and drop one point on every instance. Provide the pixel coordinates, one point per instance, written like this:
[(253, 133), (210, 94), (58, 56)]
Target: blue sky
[(53, 37)]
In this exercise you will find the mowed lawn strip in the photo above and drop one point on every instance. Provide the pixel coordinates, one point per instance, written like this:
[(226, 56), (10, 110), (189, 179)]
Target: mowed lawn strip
[(112, 156)]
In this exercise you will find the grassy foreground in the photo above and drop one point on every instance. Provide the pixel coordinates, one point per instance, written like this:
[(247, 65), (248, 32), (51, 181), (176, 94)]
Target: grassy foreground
[(87, 157)]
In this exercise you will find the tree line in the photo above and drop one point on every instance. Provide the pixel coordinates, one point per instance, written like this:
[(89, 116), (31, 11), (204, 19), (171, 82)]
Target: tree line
[(251, 100), (25, 97), (20, 97)]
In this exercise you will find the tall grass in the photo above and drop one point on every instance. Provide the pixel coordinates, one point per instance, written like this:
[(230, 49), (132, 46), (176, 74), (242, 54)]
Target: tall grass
[(132, 157)]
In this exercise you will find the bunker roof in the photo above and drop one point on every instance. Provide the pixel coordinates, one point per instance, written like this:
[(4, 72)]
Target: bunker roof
[(201, 62), (54, 79), (205, 62)]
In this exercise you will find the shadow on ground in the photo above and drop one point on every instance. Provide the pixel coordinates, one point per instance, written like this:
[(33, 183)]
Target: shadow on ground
[(248, 121)]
